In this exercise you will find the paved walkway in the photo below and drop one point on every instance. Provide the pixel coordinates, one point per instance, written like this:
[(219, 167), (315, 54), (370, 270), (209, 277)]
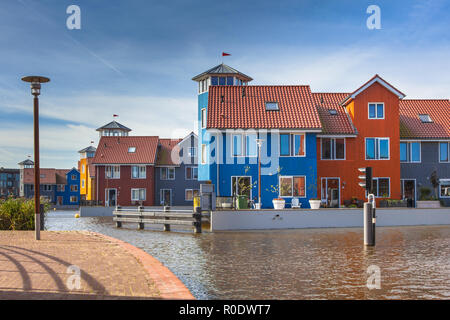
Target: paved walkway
[(108, 268)]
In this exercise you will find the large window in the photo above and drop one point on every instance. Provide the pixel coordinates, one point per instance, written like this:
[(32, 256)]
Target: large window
[(333, 148), (167, 173), (292, 144), (222, 81), (444, 152), (73, 188), (376, 110), (137, 194), (409, 151), (444, 186), (112, 172), (292, 186), (191, 173), (138, 172), (244, 145), (377, 148), (381, 187), (189, 194)]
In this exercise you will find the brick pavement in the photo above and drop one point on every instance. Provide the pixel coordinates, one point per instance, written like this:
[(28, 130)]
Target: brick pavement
[(110, 268)]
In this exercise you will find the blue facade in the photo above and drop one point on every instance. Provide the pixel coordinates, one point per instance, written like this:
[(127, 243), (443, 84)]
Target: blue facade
[(203, 137), (69, 194)]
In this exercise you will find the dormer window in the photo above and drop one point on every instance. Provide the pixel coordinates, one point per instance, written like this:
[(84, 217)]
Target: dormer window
[(132, 149), (376, 110), (333, 112), (425, 118), (271, 106)]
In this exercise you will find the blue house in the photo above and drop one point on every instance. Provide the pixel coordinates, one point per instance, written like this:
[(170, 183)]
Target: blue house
[(237, 121), (68, 193)]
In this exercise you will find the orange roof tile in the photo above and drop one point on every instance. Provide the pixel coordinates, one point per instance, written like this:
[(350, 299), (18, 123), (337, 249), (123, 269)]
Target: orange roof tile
[(165, 156), (339, 123)]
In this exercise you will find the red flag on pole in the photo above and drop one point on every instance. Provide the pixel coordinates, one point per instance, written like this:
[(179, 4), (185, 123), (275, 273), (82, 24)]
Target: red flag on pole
[(115, 115), (224, 54)]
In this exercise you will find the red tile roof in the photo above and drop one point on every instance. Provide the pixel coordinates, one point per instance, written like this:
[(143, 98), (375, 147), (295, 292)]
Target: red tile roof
[(165, 157), (296, 108), (114, 150), (412, 127), (48, 176), (340, 123)]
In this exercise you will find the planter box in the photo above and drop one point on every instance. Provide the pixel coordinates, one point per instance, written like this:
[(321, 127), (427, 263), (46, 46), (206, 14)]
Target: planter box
[(428, 204), (315, 204), (278, 204)]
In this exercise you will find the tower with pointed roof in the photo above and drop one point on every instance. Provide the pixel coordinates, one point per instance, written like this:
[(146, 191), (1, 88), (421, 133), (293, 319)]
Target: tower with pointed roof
[(113, 129), (220, 75), (87, 173)]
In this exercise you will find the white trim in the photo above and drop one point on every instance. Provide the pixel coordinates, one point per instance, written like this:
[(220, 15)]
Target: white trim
[(145, 194), (167, 174), (377, 140), (243, 145), (378, 187), (424, 140), (448, 152), (106, 171), (203, 161), (291, 142), (333, 158), (326, 187), (186, 190), (106, 193), (138, 178), (383, 83), (203, 125), (292, 186), (442, 180), (408, 146), (192, 173), (337, 136), (251, 184), (376, 110)]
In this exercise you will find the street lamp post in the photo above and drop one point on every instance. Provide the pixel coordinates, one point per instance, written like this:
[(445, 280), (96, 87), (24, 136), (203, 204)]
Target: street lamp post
[(259, 144), (35, 82)]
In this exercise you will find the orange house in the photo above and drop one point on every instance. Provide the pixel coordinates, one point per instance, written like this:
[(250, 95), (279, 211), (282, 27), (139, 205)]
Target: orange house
[(360, 129)]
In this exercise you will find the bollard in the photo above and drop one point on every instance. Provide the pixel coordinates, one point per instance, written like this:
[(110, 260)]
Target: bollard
[(140, 224), (374, 220), (198, 220), (166, 226), (369, 231), (118, 223)]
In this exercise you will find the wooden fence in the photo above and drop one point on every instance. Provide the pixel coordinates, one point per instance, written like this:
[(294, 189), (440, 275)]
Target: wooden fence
[(166, 217)]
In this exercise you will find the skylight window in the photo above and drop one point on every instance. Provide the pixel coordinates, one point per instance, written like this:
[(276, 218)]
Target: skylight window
[(425, 118), (132, 149), (333, 112), (272, 106)]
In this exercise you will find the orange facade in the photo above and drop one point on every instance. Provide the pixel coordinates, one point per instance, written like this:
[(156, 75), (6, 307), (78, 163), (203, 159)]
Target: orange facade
[(355, 157)]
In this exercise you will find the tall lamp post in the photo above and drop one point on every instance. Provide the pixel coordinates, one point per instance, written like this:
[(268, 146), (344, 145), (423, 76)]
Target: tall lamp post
[(259, 144), (36, 91)]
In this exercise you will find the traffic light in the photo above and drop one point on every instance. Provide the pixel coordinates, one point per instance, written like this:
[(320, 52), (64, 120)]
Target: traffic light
[(366, 182)]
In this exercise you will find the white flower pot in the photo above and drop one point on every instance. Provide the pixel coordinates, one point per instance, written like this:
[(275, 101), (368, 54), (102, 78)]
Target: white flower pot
[(278, 204), (315, 204), (257, 206)]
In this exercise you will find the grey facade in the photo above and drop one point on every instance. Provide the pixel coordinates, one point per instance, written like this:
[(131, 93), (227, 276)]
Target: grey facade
[(179, 189), (420, 172)]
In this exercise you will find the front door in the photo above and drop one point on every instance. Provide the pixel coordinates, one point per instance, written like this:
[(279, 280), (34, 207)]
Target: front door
[(409, 192), (111, 197), (330, 192), (166, 197), (59, 201)]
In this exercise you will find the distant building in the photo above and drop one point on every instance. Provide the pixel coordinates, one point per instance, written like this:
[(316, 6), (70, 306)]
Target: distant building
[(113, 129), (9, 182), (60, 186), (87, 173)]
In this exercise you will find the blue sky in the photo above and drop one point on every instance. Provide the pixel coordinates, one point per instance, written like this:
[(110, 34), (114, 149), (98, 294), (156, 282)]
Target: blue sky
[(136, 59)]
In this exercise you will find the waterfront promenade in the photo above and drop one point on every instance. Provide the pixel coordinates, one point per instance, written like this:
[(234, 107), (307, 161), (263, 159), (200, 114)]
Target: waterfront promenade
[(108, 268)]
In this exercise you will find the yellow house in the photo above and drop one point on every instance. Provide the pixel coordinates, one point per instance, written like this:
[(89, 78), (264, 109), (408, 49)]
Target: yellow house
[(87, 174)]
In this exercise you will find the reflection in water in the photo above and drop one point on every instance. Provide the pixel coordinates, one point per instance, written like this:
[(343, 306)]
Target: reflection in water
[(292, 264)]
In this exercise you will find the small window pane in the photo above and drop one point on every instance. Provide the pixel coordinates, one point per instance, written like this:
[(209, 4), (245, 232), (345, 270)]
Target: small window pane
[(237, 145), (229, 81), (372, 111), (403, 152), (443, 157), (222, 81), (415, 151), (298, 145), (286, 186), (326, 148), (284, 145), (271, 105), (380, 111), (250, 145), (214, 81), (171, 173), (299, 187), (383, 188), (340, 149), (188, 173), (370, 148), (384, 149), (164, 173)]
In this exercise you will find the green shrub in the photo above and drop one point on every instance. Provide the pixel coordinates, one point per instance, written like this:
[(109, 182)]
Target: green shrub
[(18, 213)]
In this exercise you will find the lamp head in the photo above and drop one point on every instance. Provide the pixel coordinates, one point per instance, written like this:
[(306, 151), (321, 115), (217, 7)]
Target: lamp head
[(35, 83)]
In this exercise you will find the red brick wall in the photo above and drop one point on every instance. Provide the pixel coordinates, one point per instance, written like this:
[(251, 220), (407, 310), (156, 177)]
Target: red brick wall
[(125, 184)]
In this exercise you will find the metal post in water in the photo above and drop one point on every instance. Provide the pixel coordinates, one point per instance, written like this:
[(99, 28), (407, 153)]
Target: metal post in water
[(369, 229)]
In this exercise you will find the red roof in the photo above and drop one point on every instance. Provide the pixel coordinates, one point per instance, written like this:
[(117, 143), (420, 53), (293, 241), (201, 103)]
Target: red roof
[(412, 127), (296, 108), (115, 150), (165, 156), (47, 176), (339, 123)]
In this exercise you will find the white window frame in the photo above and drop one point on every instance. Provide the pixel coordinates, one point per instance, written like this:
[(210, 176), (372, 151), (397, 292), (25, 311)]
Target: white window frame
[(194, 153), (377, 148), (139, 172), (333, 141), (448, 151), (251, 183), (378, 187), (244, 145), (139, 194), (440, 182), (409, 151), (203, 118), (113, 172), (167, 173), (291, 144), (192, 173), (204, 152), (193, 195), (292, 186), (376, 111), (71, 197)]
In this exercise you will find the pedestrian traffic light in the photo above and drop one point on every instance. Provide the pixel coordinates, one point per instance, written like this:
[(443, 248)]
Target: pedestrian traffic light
[(366, 182)]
